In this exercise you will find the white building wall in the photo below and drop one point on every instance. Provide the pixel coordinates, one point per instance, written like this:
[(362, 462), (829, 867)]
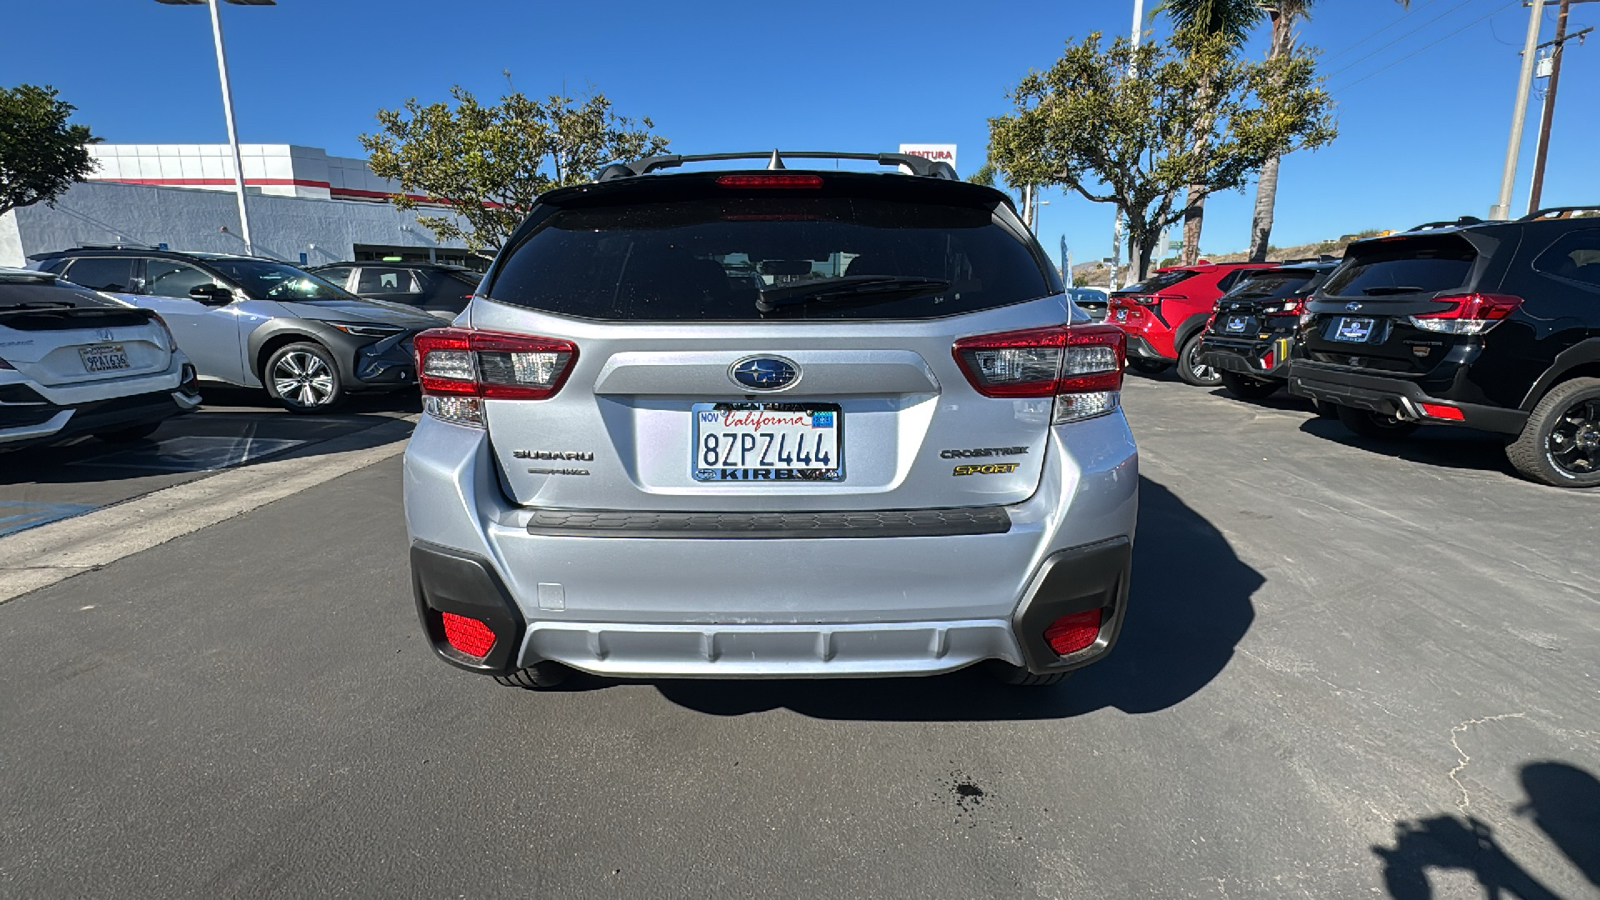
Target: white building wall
[(103, 212)]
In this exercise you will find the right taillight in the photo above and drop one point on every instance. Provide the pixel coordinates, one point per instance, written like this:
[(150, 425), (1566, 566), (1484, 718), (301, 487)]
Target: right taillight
[(1467, 313), (1080, 366), (459, 367)]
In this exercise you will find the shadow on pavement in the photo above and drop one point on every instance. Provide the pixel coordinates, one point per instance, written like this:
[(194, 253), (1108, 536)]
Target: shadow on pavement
[(1563, 801), (1435, 445), (1189, 607)]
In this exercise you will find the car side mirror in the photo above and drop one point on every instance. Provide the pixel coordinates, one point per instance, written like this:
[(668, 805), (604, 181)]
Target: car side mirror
[(211, 294)]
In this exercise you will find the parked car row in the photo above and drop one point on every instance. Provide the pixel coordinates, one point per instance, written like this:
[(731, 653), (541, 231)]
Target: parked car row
[(1488, 325), (259, 323)]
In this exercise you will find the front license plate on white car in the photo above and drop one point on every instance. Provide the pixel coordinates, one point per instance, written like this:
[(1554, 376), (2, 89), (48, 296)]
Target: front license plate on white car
[(104, 358), (767, 442)]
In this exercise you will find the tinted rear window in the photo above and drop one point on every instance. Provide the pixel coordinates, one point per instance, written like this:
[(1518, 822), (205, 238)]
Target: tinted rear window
[(1271, 286), (1418, 267), (711, 258), (23, 295), (1157, 282)]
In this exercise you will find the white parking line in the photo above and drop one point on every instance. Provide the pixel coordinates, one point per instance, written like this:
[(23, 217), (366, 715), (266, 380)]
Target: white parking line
[(51, 553)]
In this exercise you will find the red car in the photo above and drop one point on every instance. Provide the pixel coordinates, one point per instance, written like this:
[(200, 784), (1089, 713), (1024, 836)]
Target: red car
[(1165, 315)]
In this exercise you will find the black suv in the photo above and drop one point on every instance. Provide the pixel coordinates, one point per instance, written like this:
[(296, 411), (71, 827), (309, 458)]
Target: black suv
[(437, 288), (1493, 325), (1249, 337)]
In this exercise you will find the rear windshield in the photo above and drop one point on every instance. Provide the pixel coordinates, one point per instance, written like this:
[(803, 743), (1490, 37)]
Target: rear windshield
[(799, 257), (1157, 282), (20, 294), (1271, 286), (275, 281), (1418, 268)]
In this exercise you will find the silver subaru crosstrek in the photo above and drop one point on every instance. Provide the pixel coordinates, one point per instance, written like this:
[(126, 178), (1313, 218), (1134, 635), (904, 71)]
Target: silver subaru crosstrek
[(771, 423)]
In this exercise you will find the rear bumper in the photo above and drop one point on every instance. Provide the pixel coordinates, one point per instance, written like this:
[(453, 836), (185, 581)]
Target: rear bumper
[(49, 424), (1392, 396), (693, 605), (1257, 358), (1141, 348)]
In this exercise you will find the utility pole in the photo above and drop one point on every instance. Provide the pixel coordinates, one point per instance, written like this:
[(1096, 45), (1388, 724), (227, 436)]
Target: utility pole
[(1542, 148), (1508, 173), (1116, 221)]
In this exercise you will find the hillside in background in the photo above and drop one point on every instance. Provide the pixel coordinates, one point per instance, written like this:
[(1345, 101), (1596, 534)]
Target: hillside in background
[(1089, 274)]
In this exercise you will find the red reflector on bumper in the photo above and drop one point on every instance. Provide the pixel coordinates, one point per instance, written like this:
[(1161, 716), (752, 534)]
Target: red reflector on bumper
[(1436, 411), (468, 635), (1073, 632)]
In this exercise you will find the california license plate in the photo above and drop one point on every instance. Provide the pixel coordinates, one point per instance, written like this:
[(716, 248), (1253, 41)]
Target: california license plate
[(1237, 323), (104, 358), (767, 442), (1353, 331)]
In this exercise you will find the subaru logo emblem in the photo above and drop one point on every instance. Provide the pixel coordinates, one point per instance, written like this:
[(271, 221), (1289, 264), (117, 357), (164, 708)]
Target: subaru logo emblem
[(764, 373), (1352, 307)]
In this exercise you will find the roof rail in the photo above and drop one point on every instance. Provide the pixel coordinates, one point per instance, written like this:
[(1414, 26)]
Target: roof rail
[(917, 164), (1558, 212), (1457, 223)]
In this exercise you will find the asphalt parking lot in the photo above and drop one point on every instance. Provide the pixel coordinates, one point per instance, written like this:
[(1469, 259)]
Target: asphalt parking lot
[(1349, 670)]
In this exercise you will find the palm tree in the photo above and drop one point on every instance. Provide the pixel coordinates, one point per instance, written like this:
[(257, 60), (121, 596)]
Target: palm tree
[(1233, 20), (1282, 15)]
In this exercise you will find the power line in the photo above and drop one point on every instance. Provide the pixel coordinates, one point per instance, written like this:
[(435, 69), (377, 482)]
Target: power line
[(1400, 38), (1403, 17), (1492, 12)]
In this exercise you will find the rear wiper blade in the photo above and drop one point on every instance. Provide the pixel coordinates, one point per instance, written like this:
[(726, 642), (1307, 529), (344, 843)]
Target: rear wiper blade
[(1392, 289), (852, 288)]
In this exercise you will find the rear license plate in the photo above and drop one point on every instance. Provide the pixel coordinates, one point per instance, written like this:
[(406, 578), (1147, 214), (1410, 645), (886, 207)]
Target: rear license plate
[(767, 442), (1353, 331), (1237, 323), (104, 358), (1122, 315)]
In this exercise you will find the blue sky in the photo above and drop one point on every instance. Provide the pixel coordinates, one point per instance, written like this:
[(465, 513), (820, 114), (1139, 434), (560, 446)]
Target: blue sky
[(1423, 128)]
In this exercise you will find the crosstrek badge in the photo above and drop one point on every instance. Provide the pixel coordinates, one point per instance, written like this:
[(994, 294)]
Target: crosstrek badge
[(987, 469)]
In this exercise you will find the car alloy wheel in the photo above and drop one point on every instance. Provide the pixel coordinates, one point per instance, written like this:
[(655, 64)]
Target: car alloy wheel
[(1560, 445), (1191, 370), (1574, 442), (303, 378)]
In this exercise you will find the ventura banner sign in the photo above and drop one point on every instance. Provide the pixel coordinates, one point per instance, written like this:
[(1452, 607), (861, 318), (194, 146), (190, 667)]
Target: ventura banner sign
[(936, 152)]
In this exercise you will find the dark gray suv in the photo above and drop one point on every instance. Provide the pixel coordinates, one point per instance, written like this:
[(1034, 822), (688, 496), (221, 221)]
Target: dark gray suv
[(256, 322)]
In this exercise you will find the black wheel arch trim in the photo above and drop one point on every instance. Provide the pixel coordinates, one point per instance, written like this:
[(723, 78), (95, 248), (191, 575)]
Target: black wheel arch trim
[(1186, 330), (1584, 353)]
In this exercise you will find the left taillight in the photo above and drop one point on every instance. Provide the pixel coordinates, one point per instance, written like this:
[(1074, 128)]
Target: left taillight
[(1080, 366), (458, 368), (1467, 313)]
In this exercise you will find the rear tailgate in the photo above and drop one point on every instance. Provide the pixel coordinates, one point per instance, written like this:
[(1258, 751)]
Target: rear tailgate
[(734, 348), (1380, 309), (72, 346)]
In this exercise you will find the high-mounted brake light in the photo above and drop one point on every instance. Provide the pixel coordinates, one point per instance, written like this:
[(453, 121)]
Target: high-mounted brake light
[(1080, 366), (1467, 313), (457, 367), (769, 181)]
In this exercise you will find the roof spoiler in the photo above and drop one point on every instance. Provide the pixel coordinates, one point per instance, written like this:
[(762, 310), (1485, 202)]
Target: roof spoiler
[(920, 166), (1457, 223)]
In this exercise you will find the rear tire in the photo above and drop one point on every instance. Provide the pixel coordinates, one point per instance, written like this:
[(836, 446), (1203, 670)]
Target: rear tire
[(1247, 388), (536, 677), (1149, 366), (1369, 424), (1189, 367), (1560, 445), (128, 435), (1006, 673)]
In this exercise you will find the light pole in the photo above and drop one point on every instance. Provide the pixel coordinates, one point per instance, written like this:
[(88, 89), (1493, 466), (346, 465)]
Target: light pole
[(1508, 173), (227, 102)]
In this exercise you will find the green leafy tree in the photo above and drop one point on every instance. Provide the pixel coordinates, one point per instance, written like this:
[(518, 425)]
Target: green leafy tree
[(489, 163), (41, 154), (1131, 142)]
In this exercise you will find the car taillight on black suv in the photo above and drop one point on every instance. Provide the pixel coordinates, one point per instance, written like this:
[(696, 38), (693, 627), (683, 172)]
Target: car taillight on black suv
[(1493, 325)]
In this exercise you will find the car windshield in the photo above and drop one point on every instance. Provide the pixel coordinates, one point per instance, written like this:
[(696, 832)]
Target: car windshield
[(1086, 295), (264, 280)]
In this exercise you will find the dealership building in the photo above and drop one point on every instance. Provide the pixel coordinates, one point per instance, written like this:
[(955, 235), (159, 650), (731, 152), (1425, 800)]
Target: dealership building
[(305, 207)]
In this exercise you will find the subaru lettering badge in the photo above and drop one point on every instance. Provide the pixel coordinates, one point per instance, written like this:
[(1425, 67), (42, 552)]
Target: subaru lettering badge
[(764, 373), (1352, 307)]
